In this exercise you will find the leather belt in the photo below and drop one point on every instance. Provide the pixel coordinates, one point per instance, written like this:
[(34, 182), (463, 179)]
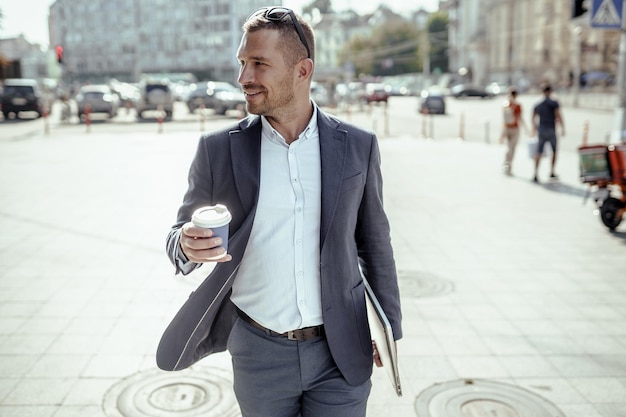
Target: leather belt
[(305, 333)]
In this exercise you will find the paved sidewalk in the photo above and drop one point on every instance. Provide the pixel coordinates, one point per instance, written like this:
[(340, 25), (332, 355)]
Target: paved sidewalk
[(502, 279)]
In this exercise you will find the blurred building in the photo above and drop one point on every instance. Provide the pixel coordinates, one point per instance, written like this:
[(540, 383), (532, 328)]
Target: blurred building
[(22, 59), (526, 42), (521, 42), (122, 39), (125, 38), (332, 32)]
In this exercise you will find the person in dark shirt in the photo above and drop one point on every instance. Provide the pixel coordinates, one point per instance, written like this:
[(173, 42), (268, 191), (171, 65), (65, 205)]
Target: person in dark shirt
[(546, 115)]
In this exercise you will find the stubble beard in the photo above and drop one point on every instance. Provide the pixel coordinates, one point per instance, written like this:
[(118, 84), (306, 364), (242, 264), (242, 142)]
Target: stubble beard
[(277, 106)]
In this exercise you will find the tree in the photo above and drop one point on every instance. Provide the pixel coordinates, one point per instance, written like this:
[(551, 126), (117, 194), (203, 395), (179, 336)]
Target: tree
[(438, 35), (393, 48), (358, 52), (401, 42)]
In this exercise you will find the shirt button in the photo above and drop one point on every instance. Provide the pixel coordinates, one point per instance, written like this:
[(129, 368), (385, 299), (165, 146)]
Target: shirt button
[(299, 242)]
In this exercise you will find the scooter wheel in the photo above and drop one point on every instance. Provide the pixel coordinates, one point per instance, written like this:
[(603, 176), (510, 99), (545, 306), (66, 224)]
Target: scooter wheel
[(611, 212)]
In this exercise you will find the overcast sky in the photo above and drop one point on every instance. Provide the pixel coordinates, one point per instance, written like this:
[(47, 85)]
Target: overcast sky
[(30, 17)]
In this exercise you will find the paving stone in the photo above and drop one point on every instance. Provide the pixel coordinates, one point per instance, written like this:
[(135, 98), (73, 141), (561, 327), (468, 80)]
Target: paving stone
[(536, 297)]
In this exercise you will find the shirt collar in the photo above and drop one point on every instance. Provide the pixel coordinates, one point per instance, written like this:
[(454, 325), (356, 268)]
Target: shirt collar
[(308, 132)]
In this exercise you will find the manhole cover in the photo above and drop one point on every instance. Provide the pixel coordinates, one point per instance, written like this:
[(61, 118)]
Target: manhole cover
[(477, 398), (205, 392), (422, 284)]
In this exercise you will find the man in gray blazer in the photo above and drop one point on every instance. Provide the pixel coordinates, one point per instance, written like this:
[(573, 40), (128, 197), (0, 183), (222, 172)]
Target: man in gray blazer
[(305, 193)]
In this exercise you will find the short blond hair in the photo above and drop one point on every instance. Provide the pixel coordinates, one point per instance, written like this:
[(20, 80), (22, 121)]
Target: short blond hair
[(293, 48)]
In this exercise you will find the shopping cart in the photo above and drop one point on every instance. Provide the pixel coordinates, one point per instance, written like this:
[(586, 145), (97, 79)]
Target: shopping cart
[(603, 167)]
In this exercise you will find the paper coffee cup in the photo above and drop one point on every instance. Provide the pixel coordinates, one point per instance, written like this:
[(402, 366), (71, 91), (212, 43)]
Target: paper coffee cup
[(216, 218)]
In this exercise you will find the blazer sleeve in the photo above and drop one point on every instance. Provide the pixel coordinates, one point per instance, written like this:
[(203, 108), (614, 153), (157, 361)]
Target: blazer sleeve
[(373, 238), (199, 193), (211, 180)]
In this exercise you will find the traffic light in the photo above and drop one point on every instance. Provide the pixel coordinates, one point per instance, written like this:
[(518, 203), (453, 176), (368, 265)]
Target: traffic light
[(579, 7), (59, 51)]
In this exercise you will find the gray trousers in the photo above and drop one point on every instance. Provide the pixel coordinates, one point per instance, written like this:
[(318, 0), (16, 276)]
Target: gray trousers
[(277, 377)]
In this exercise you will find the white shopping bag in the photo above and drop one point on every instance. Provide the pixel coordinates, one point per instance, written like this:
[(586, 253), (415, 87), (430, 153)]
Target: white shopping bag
[(533, 144)]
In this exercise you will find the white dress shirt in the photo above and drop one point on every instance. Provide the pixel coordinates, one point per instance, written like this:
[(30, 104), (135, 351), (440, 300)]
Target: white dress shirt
[(278, 283)]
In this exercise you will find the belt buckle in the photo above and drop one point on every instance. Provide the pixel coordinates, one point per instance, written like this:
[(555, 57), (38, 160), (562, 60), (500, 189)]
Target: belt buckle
[(291, 335)]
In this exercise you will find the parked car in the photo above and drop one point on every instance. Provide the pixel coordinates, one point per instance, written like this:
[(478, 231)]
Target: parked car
[(99, 98), (181, 91), (349, 93), (155, 95), (376, 92), (127, 93), (319, 94), (21, 95), (496, 89), (469, 90), (433, 102), (593, 78), (219, 96)]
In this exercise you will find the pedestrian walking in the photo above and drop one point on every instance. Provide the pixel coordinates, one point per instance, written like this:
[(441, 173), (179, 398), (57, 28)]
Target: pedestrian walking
[(305, 193), (512, 110), (546, 115)]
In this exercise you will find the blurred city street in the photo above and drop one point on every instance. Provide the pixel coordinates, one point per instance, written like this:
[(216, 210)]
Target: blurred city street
[(502, 280)]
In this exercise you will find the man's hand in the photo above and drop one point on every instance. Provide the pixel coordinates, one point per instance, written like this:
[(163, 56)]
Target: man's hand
[(377, 360), (199, 245)]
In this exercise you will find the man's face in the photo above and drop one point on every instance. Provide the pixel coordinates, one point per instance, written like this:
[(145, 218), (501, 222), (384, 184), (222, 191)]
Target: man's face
[(265, 79)]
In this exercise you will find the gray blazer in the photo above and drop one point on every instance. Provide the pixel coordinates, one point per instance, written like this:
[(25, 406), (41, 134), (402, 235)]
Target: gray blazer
[(354, 231)]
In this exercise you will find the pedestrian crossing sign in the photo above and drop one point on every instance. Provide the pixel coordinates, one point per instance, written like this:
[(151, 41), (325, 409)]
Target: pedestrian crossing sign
[(607, 14)]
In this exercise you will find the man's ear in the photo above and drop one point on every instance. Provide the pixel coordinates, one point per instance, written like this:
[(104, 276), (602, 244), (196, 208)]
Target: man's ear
[(305, 68)]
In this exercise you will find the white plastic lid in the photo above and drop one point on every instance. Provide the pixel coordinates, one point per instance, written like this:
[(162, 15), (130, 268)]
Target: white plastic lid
[(211, 216)]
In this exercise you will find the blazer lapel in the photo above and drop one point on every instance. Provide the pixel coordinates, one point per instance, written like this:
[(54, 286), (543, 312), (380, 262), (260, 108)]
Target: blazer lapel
[(245, 151), (245, 146), (333, 151)]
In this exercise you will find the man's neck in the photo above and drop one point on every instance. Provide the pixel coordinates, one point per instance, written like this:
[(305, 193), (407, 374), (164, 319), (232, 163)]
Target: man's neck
[(290, 125)]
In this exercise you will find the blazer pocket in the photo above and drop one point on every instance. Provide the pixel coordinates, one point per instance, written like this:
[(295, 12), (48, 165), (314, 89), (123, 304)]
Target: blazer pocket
[(360, 313), (352, 182)]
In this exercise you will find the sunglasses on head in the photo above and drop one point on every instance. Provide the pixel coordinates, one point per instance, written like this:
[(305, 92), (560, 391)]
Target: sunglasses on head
[(278, 14)]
